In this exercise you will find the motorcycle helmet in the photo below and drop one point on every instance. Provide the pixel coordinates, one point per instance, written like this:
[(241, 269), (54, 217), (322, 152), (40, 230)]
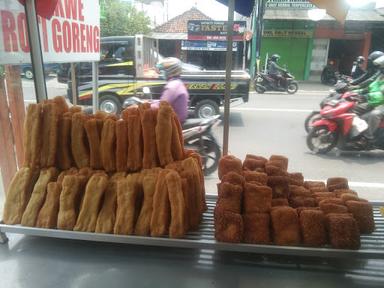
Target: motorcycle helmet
[(372, 57), (275, 57), (360, 60), (171, 67), (379, 62)]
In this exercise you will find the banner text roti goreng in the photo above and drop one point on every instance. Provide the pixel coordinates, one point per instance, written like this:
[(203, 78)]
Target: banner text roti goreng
[(71, 35)]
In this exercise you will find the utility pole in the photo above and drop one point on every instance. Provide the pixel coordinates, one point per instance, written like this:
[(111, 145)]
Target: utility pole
[(257, 30)]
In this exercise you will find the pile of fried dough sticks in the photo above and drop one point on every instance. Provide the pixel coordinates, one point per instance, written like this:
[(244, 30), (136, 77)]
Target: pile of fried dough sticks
[(99, 173)]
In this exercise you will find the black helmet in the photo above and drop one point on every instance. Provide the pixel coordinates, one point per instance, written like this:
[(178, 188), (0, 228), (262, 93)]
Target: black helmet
[(275, 57), (360, 59), (372, 57)]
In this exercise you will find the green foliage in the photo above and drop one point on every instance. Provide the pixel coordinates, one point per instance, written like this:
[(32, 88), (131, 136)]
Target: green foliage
[(123, 19)]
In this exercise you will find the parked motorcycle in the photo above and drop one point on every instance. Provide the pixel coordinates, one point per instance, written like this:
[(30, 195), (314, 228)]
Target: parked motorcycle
[(197, 134), (335, 94), (341, 127), (264, 82)]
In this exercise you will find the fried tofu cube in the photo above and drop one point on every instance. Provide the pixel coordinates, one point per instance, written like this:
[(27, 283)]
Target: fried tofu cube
[(343, 231), (313, 229), (295, 190), (335, 183), (229, 163), (230, 197), (279, 185), (280, 202), (257, 228), (285, 226), (296, 178), (257, 199), (228, 226), (254, 163), (281, 159), (260, 177), (302, 201), (328, 208), (363, 214), (233, 178)]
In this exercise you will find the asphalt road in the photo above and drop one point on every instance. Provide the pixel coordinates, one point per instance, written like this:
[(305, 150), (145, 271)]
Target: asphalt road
[(273, 123)]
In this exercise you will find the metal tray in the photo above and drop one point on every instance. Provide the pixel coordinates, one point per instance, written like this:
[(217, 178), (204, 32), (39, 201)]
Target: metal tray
[(372, 246)]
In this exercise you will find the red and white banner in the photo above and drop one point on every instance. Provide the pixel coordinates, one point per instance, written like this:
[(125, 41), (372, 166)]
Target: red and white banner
[(72, 34)]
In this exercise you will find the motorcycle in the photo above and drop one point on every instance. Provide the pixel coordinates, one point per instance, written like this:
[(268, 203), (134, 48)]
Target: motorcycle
[(335, 94), (264, 82), (197, 134), (341, 127)]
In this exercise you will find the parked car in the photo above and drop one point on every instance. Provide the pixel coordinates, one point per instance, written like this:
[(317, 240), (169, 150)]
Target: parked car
[(27, 71)]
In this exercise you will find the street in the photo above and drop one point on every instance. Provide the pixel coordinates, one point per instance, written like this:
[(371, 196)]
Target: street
[(273, 123)]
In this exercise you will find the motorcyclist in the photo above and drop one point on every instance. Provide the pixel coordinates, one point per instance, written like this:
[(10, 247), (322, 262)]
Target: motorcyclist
[(357, 68), (174, 91), (275, 71), (371, 74), (375, 99)]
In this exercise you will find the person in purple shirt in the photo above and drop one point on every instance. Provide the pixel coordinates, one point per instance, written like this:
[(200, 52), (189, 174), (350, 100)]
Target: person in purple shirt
[(174, 91)]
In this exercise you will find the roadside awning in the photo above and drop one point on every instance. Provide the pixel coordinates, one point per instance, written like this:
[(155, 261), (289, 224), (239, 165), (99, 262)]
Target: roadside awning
[(336, 8)]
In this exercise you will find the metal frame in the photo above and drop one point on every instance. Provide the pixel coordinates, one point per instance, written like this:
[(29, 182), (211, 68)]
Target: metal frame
[(372, 246)]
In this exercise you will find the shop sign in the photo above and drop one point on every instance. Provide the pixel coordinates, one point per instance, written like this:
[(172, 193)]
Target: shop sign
[(214, 30), (72, 34), (288, 33), (206, 45), (291, 4)]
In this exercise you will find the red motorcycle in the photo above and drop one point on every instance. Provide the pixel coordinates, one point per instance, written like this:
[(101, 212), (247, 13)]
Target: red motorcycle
[(340, 126)]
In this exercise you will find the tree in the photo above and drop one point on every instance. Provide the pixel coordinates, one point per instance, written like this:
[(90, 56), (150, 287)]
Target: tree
[(122, 19)]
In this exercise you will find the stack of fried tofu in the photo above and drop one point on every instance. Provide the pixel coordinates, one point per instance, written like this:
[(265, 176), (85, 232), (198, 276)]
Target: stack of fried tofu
[(260, 202)]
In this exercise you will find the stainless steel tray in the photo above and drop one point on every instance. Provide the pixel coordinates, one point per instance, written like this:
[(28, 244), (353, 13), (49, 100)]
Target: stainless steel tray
[(372, 246)]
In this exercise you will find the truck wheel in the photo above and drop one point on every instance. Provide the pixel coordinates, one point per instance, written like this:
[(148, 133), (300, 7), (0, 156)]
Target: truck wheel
[(110, 104), (206, 109)]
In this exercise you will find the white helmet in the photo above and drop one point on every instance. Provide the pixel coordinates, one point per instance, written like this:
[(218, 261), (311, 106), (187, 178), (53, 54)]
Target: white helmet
[(379, 62), (171, 66)]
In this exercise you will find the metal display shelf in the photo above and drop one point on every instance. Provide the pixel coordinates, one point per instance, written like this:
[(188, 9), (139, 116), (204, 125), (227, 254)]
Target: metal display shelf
[(372, 246)]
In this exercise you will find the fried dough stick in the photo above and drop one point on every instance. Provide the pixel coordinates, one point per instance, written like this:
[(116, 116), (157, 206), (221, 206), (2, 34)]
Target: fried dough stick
[(18, 195), (164, 133), (177, 139), (38, 196), (61, 104), (177, 228), (161, 214), (91, 204), (135, 141), (93, 136), (64, 157), (70, 199), (121, 145), (191, 167), (49, 135), (47, 217), (79, 145), (107, 216), (32, 135), (127, 194), (107, 145), (144, 221), (148, 123)]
